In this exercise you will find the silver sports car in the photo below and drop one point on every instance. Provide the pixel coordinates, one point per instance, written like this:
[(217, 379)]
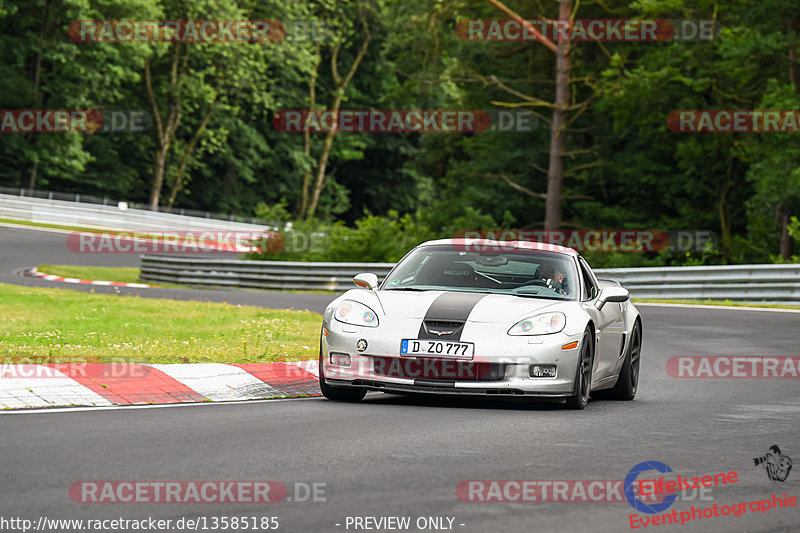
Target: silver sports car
[(478, 317)]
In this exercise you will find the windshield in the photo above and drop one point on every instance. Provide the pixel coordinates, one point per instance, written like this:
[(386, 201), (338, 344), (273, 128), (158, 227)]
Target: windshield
[(521, 273)]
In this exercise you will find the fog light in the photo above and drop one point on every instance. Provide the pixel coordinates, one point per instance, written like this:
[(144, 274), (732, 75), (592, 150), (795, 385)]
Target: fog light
[(543, 371), (340, 359)]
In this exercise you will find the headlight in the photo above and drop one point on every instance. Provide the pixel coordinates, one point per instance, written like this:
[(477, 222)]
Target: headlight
[(351, 312), (540, 324)]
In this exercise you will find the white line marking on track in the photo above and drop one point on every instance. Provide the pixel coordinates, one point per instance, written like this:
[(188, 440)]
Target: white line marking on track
[(39, 228), (50, 277), (218, 381), (24, 385), (725, 307), (311, 366), (153, 406)]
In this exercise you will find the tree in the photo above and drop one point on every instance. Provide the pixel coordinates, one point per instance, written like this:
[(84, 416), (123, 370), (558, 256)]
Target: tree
[(558, 123), (196, 80), (342, 36), (43, 69)]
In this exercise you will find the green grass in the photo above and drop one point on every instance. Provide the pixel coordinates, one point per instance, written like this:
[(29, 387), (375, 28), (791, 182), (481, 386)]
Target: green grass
[(56, 325), (44, 225), (122, 274), (93, 229), (131, 275), (729, 303)]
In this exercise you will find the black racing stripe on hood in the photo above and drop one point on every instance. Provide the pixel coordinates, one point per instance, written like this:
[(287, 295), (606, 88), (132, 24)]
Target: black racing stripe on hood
[(452, 307)]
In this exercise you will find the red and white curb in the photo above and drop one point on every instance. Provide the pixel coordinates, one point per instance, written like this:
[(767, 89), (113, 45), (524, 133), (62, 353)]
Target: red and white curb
[(34, 273), (106, 384)]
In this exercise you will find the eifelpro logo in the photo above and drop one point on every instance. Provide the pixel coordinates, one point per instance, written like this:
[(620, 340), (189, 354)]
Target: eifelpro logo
[(630, 481)]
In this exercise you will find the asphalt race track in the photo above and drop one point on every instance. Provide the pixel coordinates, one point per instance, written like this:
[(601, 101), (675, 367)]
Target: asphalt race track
[(25, 248), (405, 456)]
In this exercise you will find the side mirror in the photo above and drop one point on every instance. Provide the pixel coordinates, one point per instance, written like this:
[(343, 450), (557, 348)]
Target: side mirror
[(366, 280), (612, 294)]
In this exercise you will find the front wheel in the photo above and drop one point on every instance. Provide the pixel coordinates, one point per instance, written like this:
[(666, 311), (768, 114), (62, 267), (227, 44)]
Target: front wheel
[(583, 374), (340, 394)]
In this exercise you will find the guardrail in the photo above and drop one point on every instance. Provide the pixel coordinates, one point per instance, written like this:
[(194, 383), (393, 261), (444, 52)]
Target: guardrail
[(274, 275), (778, 283), (74, 197), (117, 216)]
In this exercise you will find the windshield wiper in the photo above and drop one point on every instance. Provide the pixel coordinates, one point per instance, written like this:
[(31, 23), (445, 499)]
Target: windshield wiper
[(543, 296)]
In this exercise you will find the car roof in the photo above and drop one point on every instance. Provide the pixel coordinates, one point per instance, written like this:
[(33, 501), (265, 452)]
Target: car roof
[(489, 245)]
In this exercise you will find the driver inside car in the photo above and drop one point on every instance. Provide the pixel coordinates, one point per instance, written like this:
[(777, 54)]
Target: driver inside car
[(554, 279)]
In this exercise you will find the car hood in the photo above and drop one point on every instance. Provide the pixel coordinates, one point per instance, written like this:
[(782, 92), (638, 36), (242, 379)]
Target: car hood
[(475, 307)]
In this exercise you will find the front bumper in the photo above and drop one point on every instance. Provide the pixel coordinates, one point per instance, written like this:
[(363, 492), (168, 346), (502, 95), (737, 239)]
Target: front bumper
[(500, 366)]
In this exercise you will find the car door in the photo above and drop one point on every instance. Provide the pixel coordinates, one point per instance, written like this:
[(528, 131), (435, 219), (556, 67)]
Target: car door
[(609, 324)]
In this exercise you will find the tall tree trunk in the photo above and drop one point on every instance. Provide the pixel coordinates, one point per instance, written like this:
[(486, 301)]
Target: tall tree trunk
[(341, 87), (558, 125), (722, 210), (305, 184), (158, 175), (783, 217), (794, 68), (558, 128), (178, 185), (782, 214), (322, 164), (165, 127), (30, 182)]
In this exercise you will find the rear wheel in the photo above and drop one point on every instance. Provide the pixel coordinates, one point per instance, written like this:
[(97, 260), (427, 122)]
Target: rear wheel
[(583, 373), (340, 394), (628, 380)]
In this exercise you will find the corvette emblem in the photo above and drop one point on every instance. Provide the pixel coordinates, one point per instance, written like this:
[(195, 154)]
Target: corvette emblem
[(440, 332)]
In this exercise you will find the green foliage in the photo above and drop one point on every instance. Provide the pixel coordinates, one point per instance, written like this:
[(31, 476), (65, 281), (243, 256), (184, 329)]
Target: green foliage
[(385, 192), (794, 233), (58, 325), (373, 239)]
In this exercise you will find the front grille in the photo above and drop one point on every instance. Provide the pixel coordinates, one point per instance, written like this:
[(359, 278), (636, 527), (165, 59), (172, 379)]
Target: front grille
[(443, 324), (441, 329), (432, 368)]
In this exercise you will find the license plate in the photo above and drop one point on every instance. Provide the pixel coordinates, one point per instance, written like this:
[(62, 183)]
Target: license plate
[(436, 348)]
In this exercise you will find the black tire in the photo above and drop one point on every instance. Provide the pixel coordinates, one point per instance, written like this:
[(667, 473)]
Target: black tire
[(628, 381), (583, 373), (339, 394)]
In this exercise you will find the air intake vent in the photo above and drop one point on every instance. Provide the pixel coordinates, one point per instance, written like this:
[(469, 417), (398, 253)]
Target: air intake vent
[(443, 324)]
